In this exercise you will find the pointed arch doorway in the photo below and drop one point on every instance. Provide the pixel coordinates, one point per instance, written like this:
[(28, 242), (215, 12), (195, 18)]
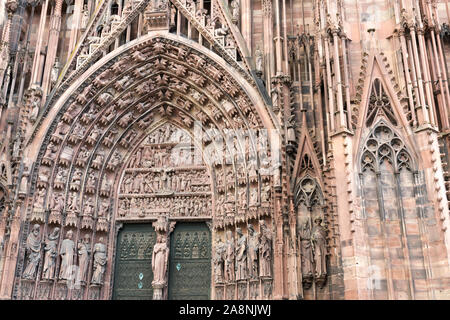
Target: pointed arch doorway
[(161, 181)]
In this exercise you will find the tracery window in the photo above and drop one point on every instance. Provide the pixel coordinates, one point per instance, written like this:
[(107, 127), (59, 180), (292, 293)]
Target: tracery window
[(391, 214), (384, 158)]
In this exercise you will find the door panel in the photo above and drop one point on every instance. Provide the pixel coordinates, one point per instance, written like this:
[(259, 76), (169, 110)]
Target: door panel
[(190, 262), (133, 270)]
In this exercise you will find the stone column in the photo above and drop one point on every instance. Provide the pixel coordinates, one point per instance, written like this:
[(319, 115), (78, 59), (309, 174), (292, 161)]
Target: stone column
[(52, 47), (76, 20), (35, 71), (11, 7), (246, 20)]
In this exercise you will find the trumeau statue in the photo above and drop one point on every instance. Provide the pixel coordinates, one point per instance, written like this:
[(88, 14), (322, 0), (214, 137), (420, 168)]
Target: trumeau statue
[(84, 253), (67, 253), (51, 252), (229, 258), (160, 258), (33, 253), (241, 256), (253, 249), (99, 262), (265, 251)]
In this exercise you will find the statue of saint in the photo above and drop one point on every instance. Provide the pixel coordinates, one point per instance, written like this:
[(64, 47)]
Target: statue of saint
[(84, 252), (51, 252), (253, 249), (99, 262), (160, 257), (85, 18), (304, 233), (318, 239), (55, 71), (229, 257), (33, 251), (258, 59), (241, 256), (235, 5), (219, 260), (265, 250), (67, 254)]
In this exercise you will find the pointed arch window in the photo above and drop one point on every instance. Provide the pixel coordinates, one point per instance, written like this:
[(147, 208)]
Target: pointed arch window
[(392, 212), (385, 158)]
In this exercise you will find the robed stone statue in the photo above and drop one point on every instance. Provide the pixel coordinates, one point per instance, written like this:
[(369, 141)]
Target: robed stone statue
[(160, 257), (51, 252), (67, 253), (99, 262), (241, 256), (84, 252), (33, 251)]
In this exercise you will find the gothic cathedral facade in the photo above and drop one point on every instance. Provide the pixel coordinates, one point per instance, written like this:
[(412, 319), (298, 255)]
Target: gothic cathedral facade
[(224, 149)]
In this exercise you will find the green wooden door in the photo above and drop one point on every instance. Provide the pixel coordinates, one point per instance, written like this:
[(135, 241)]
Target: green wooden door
[(190, 262), (133, 270)]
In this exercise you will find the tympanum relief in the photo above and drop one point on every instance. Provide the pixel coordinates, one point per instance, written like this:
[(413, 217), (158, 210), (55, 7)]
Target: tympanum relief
[(162, 178)]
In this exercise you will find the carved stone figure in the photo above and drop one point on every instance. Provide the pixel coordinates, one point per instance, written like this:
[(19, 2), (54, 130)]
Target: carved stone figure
[(88, 209), (84, 253), (39, 204), (265, 250), (99, 262), (60, 178), (55, 71), (160, 258), (318, 239), (73, 203), (104, 207), (219, 260), (253, 249), (51, 150), (304, 233), (229, 257), (33, 100), (50, 254), (57, 202), (241, 256), (67, 253), (265, 194), (258, 60), (173, 11), (85, 17), (235, 5), (33, 251)]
